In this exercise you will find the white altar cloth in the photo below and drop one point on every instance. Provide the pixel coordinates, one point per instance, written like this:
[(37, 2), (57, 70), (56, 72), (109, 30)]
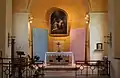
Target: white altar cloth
[(69, 54)]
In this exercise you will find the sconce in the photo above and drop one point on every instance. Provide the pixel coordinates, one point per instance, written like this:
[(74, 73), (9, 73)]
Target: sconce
[(87, 18), (30, 42), (108, 38), (30, 19), (87, 43)]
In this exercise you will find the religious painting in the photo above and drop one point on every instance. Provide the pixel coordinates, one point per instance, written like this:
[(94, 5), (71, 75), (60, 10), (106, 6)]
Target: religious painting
[(58, 23), (99, 46)]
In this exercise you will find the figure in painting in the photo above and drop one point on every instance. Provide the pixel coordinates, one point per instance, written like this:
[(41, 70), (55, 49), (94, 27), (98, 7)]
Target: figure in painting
[(55, 27), (58, 26)]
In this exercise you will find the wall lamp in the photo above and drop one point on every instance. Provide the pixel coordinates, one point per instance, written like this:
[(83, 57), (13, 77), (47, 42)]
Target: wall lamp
[(108, 39)]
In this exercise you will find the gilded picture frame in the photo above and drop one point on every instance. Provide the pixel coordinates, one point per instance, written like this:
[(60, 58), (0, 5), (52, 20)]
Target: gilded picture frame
[(58, 24)]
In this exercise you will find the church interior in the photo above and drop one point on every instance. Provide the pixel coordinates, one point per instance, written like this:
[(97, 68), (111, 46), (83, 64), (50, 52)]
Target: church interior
[(79, 35)]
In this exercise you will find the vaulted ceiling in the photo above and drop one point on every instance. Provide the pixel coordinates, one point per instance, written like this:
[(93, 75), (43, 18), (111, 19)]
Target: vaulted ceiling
[(76, 9), (94, 5), (98, 5)]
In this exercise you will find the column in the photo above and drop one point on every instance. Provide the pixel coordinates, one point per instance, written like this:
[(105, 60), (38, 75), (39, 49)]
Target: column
[(114, 27), (98, 29), (2, 24), (2, 29), (5, 26), (20, 31), (8, 28)]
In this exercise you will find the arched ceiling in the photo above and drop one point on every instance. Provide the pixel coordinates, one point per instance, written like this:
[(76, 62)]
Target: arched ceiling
[(94, 5), (77, 9), (98, 5)]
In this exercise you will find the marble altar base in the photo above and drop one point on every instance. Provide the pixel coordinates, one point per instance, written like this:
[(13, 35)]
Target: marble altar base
[(59, 58)]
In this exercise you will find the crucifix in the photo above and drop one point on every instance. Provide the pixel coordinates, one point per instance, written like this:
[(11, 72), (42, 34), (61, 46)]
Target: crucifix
[(58, 45)]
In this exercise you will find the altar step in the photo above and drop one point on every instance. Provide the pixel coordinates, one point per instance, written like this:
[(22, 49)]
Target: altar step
[(78, 77), (59, 73), (68, 74)]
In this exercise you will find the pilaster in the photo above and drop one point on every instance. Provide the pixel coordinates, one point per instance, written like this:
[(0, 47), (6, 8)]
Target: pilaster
[(20, 31)]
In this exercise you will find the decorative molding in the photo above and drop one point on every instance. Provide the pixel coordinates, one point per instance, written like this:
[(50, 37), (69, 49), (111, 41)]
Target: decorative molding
[(91, 9), (25, 8), (98, 11), (29, 2), (89, 5)]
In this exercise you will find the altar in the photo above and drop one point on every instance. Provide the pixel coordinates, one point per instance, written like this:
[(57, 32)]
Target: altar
[(59, 58)]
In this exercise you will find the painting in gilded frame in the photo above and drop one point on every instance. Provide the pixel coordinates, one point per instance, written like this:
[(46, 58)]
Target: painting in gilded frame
[(58, 24)]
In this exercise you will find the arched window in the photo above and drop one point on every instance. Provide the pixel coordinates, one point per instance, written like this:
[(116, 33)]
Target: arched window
[(58, 23)]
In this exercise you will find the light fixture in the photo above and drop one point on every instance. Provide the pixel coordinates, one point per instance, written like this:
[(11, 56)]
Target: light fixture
[(86, 22), (30, 19), (108, 39), (87, 15), (87, 18)]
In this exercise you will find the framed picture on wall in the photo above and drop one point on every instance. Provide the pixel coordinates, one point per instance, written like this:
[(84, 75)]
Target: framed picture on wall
[(58, 23), (99, 46)]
